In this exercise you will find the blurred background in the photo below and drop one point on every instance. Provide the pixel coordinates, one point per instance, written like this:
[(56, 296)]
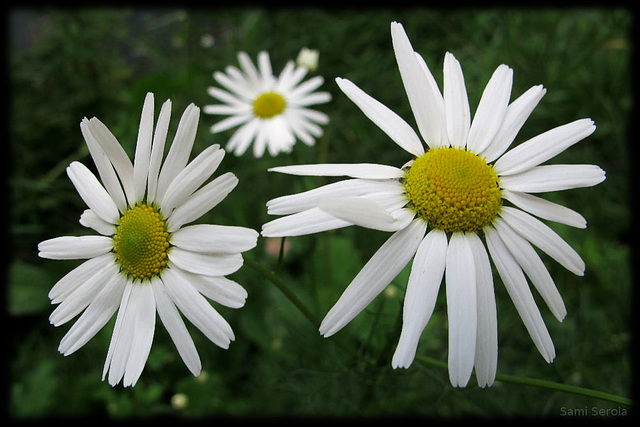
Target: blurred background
[(66, 64)]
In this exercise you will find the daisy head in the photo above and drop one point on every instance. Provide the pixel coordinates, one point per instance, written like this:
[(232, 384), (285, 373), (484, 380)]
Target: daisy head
[(459, 202), (145, 258), (270, 112)]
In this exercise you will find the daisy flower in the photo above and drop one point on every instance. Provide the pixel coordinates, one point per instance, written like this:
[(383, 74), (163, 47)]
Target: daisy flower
[(457, 196), (146, 259), (270, 112)]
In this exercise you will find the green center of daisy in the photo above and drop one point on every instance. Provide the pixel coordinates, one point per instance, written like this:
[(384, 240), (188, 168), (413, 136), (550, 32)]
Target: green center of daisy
[(269, 104), (141, 242), (453, 189)]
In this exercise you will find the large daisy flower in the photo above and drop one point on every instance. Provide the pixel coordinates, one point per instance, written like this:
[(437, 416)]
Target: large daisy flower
[(271, 112), (145, 258), (453, 197)]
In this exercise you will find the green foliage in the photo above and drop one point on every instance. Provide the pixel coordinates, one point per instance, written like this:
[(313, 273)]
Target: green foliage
[(67, 64)]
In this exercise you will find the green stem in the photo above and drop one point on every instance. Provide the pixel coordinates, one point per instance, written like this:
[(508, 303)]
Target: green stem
[(61, 166), (516, 379), (506, 378), (273, 278), (281, 254)]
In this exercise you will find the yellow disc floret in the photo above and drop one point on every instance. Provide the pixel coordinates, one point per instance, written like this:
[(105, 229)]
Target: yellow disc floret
[(141, 242), (453, 189), (269, 104)]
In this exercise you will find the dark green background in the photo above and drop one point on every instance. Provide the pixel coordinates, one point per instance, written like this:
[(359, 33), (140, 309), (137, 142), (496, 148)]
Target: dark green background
[(65, 64)]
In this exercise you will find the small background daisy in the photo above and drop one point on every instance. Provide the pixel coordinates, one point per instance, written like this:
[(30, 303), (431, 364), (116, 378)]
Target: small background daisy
[(271, 110), (67, 64)]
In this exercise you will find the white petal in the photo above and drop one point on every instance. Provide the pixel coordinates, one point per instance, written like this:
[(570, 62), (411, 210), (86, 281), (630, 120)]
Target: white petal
[(421, 294), (486, 361), (225, 97), (245, 89), (117, 156), (260, 142), (95, 316), (92, 192), (76, 277), (285, 74), (462, 308), (143, 148), (157, 149), (491, 109), (202, 201), (543, 147), (533, 266), (383, 266), (391, 202), (143, 303), (170, 318), (420, 87), (357, 170), (215, 238), (390, 123), (248, 67), (120, 343), (306, 222), (456, 102), (359, 211), (191, 178), (243, 137), (197, 309), (82, 296), (278, 136), (312, 99), (223, 109), (208, 264), (219, 289), (545, 178), (292, 79), (544, 238), (306, 87), (104, 166), (264, 65), (231, 122), (75, 247), (91, 220), (313, 115), (545, 209), (346, 188), (180, 150), (516, 115), (435, 133), (516, 285), (302, 128)]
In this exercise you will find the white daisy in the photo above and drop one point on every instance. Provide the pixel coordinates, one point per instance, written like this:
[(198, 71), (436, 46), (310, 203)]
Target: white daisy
[(146, 259), (271, 112), (442, 202)]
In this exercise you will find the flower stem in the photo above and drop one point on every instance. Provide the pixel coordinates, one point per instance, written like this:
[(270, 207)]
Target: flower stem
[(517, 379), (506, 378), (273, 278)]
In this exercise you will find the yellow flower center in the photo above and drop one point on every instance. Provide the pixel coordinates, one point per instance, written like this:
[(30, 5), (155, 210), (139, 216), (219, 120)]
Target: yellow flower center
[(141, 242), (453, 189), (269, 104)]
